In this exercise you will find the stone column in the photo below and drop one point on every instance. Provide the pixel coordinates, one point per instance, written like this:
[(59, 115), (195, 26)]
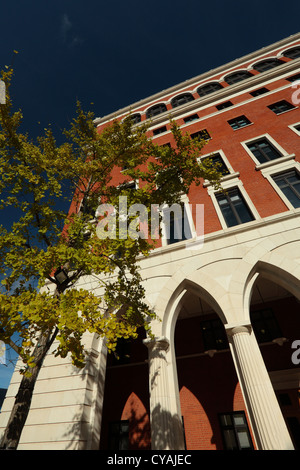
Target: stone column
[(268, 424), (96, 369), (166, 424)]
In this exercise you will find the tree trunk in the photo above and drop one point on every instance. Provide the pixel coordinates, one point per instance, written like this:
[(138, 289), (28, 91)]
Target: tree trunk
[(23, 398)]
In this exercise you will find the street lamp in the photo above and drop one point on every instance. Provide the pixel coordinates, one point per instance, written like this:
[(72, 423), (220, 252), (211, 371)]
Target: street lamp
[(61, 276)]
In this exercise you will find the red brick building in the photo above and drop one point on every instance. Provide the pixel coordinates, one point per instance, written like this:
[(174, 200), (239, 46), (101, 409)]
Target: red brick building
[(248, 110), (223, 370)]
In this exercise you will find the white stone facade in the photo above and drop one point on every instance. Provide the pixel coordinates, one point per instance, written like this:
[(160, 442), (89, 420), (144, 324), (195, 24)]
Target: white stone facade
[(67, 404)]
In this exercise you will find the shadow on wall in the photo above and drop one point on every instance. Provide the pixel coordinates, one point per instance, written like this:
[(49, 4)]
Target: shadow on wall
[(166, 430)]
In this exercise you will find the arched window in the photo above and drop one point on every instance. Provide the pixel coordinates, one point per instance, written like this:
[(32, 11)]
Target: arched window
[(208, 88), (134, 118), (237, 77), (181, 99), (267, 64), (293, 53), (155, 110)]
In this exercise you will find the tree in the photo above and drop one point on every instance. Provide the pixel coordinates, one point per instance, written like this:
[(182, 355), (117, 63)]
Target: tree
[(54, 191)]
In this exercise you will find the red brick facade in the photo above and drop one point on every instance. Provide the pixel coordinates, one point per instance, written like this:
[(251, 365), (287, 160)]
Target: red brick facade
[(208, 385)]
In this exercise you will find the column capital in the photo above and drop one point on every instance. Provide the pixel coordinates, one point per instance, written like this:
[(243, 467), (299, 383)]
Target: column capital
[(161, 343), (236, 329)]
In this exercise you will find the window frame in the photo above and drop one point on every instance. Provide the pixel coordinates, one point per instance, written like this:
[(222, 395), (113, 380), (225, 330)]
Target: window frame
[(285, 173), (187, 97), (234, 427), (246, 74), (231, 173), (293, 127), (259, 91), (282, 165), (238, 119), (264, 321), (259, 166), (290, 50), (290, 107), (155, 106), (224, 105), (188, 217), (233, 208), (120, 436), (209, 86), (218, 340), (269, 60)]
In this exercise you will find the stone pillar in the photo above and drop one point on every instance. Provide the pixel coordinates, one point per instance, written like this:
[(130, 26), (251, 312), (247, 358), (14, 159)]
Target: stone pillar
[(95, 395), (268, 424), (166, 423)]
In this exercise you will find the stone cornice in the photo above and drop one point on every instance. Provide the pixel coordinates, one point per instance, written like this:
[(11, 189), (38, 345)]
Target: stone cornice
[(188, 83)]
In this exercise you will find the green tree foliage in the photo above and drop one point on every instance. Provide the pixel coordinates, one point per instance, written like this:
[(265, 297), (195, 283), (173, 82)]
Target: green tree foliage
[(38, 180)]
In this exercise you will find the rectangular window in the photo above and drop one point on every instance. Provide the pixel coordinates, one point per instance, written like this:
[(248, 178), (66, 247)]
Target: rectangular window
[(176, 224), (281, 107), (235, 431), (159, 130), (259, 91), (239, 122), (263, 150), (265, 325), (119, 435), (203, 134), (191, 118), (213, 335), (233, 207), (289, 183), (227, 104), (217, 161), (294, 78)]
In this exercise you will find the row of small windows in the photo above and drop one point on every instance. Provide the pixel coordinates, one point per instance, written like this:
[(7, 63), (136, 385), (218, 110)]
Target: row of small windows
[(232, 204), (233, 425), (236, 123), (204, 90), (277, 108), (227, 104)]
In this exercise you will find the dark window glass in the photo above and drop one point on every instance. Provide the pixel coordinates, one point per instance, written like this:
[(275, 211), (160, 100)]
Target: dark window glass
[(265, 325), (293, 53), (284, 399), (181, 99), (217, 160), (227, 104), (119, 435), (234, 209), (237, 77), (193, 117), (208, 88), (155, 110), (160, 130), (280, 107), (176, 224), (267, 65), (289, 183), (134, 118), (264, 151), (235, 431), (239, 122), (293, 425), (259, 91), (121, 355), (213, 335), (294, 77), (203, 134)]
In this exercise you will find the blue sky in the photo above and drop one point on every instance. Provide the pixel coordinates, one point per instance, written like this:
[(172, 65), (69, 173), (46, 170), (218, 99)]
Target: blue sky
[(111, 54)]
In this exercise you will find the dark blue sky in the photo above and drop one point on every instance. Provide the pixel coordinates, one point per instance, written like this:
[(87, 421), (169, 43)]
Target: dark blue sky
[(112, 54)]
